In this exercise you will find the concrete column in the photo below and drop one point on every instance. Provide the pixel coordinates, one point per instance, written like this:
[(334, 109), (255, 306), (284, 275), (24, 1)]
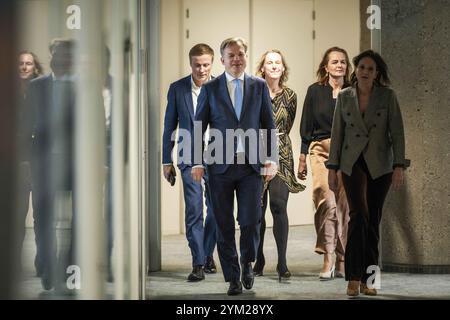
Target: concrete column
[(364, 40), (154, 135), (416, 225)]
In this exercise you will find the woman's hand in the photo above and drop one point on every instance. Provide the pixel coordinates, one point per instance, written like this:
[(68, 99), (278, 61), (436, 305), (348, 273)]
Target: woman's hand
[(333, 180), (397, 178), (302, 168)]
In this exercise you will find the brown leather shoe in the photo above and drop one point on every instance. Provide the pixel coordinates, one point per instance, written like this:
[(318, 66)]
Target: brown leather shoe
[(367, 291), (353, 288)]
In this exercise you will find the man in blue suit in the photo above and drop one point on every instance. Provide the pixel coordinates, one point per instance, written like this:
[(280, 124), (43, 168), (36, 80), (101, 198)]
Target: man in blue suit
[(230, 102), (181, 106)]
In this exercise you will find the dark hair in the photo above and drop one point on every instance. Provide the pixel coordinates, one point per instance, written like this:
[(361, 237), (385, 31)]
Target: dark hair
[(382, 78), (322, 74), (230, 41), (262, 60), (38, 70), (61, 51), (199, 50), (68, 44)]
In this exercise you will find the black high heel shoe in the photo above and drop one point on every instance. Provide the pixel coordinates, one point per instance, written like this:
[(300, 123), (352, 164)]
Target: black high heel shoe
[(285, 274), (258, 269)]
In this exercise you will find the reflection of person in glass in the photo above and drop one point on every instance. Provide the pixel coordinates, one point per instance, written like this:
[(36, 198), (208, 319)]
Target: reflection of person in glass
[(29, 68), (272, 67), (331, 216), (107, 104), (52, 99), (368, 147)]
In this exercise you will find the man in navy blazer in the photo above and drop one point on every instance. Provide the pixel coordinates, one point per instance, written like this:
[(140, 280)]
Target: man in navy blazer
[(230, 102), (181, 105)]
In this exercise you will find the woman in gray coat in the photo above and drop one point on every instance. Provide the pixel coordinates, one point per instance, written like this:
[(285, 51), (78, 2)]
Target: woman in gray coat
[(368, 147)]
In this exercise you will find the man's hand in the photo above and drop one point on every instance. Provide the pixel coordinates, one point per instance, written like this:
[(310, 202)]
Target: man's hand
[(197, 174), (269, 171), (333, 180), (169, 173), (397, 178), (302, 168)]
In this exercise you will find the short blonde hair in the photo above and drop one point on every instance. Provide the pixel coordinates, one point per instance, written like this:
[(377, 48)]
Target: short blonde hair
[(199, 50), (236, 40)]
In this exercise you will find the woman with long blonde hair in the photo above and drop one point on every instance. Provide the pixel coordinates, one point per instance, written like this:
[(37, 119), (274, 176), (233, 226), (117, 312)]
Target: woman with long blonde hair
[(273, 68)]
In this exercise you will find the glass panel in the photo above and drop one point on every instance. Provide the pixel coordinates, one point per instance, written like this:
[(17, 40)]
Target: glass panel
[(79, 166)]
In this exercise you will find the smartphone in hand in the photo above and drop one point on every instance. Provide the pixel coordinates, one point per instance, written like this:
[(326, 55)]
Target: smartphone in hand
[(172, 180)]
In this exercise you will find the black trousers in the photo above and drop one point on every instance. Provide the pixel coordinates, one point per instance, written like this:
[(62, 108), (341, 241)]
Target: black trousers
[(279, 195), (245, 182), (365, 199)]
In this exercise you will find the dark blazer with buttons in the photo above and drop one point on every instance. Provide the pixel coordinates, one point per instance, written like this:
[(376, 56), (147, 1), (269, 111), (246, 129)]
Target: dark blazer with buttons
[(179, 112), (378, 135)]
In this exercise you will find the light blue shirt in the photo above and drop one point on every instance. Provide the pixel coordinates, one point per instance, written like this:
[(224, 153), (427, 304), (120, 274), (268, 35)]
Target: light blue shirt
[(231, 85)]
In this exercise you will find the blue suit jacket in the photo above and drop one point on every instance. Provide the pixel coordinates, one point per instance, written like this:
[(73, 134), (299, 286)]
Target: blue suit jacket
[(214, 108), (179, 112)]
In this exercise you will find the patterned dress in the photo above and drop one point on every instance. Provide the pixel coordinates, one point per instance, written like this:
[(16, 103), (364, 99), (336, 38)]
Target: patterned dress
[(284, 107)]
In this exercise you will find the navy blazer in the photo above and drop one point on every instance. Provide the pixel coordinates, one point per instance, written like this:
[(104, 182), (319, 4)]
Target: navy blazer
[(179, 112), (214, 108)]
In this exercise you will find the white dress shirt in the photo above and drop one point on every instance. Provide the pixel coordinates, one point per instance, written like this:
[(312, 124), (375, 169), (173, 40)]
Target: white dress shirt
[(195, 93)]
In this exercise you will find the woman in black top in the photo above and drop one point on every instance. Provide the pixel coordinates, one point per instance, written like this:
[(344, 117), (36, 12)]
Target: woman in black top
[(331, 217)]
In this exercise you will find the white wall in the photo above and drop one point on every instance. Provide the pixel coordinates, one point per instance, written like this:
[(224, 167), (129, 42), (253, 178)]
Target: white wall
[(29, 39), (171, 197), (336, 24), (209, 24)]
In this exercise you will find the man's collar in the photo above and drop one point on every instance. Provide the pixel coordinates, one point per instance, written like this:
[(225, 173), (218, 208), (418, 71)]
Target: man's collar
[(231, 78), (194, 86)]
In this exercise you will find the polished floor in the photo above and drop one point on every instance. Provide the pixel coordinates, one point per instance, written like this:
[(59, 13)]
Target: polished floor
[(170, 282)]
